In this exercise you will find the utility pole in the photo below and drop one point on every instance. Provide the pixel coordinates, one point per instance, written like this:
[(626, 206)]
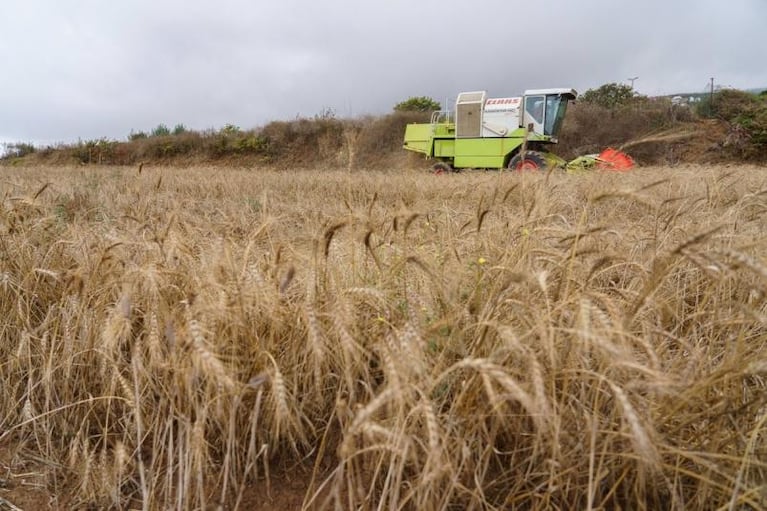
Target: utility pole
[(632, 80), (711, 98)]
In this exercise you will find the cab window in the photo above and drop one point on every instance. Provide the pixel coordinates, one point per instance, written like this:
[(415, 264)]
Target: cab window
[(534, 106)]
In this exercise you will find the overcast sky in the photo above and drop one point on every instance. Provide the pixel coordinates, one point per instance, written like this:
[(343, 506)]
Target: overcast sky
[(97, 68)]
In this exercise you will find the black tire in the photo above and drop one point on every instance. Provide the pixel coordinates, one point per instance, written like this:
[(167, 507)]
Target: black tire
[(532, 162), (442, 167)]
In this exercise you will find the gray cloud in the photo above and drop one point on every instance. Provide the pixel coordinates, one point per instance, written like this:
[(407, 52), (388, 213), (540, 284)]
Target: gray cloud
[(90, 68)]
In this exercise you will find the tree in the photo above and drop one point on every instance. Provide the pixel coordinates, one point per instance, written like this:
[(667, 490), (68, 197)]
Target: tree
[(610, 95), (417, 104)]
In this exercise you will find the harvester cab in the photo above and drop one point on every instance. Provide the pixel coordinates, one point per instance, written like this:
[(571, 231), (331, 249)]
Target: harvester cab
[(545, 110), (542, 111), (493, 132)]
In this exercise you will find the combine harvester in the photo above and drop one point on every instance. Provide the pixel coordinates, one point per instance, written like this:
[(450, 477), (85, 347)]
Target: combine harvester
[(497, 133)]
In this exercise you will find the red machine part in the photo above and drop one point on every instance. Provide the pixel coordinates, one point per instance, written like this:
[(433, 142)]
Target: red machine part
[(612, 159)]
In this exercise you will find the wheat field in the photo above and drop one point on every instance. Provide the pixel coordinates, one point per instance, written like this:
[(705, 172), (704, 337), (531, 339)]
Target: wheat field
[(220, 338)]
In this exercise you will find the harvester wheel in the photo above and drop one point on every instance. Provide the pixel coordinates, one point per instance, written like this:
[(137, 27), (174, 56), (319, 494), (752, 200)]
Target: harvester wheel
[(441, 168), (532, 162)]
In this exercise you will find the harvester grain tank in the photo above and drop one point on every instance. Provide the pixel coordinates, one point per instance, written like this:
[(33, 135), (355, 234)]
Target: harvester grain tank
[(494, 133)]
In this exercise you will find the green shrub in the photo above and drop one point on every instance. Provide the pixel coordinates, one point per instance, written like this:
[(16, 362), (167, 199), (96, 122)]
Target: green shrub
[(418, 104), (727, 104), (173, 145), (252, 143), (100, 151), (750, 128), (746, 116), (611, 95), (19, 150), (160, 131), (218, 146), (230, 129), (756, 123)]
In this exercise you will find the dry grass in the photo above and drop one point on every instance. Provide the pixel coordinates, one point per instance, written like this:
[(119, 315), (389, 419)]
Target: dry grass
[(170, 339)]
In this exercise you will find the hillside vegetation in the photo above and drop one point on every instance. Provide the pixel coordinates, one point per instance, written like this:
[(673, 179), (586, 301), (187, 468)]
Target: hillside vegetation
[(204, 337), (732, 127)]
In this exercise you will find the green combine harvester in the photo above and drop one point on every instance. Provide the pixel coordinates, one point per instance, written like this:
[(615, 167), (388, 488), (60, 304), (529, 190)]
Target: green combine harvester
[(494, 133)]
